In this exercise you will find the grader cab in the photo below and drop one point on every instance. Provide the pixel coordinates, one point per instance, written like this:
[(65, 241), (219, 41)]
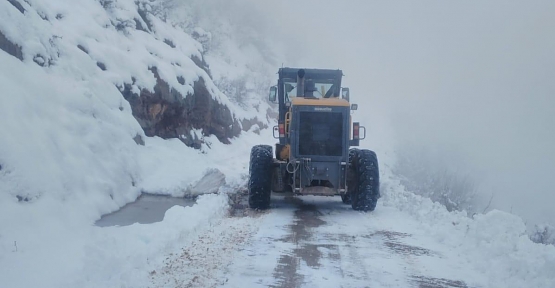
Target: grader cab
[(313, 155)]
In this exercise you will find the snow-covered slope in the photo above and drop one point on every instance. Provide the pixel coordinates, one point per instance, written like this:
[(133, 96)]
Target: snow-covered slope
[(69, 132)]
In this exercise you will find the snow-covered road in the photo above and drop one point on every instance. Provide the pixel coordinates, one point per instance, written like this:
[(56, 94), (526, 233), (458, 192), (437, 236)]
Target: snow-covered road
[(316, 242)]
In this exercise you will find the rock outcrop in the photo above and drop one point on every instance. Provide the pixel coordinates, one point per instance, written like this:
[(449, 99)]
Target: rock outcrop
[(167, 114), (9, 47)]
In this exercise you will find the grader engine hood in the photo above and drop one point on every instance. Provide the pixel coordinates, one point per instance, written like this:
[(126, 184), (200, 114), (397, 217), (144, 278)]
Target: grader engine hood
[(319, 128)]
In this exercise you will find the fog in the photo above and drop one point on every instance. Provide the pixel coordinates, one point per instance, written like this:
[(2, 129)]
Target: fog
[(471, 82)]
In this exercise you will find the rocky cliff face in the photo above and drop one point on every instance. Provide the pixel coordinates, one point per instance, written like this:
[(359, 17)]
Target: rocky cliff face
[(167, 114), (9, 47)]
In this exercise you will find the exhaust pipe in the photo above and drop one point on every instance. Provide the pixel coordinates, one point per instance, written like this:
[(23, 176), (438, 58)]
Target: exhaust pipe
[(300, 83)]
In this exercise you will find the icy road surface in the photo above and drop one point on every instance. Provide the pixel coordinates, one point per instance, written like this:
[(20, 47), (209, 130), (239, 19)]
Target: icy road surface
[(315, 242)]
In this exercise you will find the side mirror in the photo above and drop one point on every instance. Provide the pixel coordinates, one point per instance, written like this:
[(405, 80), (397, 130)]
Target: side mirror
[(273, 93), (354, 107), (345, 93)]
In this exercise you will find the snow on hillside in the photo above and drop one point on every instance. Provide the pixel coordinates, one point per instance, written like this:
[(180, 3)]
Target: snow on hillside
[(59, 117)]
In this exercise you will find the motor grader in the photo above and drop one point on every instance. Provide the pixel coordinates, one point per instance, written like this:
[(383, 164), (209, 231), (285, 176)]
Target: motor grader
[(314, 154)]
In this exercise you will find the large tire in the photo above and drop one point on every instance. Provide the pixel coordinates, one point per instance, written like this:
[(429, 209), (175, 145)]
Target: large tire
[(260, 177), (346, 198), (365, 181)]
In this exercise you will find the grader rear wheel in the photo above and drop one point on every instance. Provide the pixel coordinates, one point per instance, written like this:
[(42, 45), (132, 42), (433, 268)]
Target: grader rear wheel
[(365, 185)]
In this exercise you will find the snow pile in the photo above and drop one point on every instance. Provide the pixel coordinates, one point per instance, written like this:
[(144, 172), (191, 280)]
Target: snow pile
[(495, 244)]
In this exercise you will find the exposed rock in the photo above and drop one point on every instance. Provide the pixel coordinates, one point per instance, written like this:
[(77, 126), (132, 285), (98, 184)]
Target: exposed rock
[(23, 198), (200, 62), (181, 80), (9, 47), (17, 5), (142, 13), (248, 123), (83, 48), (122, 25), (190, 139), (167, 114), (169, 43), (139, 140), (101, 65), (139, 26), (203, 37), (106, 3), (43, 61)]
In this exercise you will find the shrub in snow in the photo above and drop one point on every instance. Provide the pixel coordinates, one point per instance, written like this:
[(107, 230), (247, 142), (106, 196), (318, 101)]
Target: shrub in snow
[(106, 3), (425, 175), (544, 234)]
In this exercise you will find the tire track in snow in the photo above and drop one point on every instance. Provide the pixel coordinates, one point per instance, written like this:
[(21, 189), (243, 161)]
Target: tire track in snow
[(338, 247), (306, 217), (308, 242)]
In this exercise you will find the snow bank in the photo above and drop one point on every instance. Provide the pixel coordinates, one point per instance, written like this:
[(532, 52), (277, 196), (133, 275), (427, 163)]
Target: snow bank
[(176, 169), (88, 256), (495, 244)]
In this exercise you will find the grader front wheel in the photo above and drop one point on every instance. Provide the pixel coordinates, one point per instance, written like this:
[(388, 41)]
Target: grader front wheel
[(260, 177)]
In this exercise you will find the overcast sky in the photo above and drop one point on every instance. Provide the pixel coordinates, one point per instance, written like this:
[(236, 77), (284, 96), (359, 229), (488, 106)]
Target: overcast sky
[(473, 80)]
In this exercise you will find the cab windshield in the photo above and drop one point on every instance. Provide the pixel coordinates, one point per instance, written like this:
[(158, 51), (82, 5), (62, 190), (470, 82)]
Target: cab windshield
[(320, 90)]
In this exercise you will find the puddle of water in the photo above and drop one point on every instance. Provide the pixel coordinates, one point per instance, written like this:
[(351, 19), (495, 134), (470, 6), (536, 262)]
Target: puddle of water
[(146, 209)]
